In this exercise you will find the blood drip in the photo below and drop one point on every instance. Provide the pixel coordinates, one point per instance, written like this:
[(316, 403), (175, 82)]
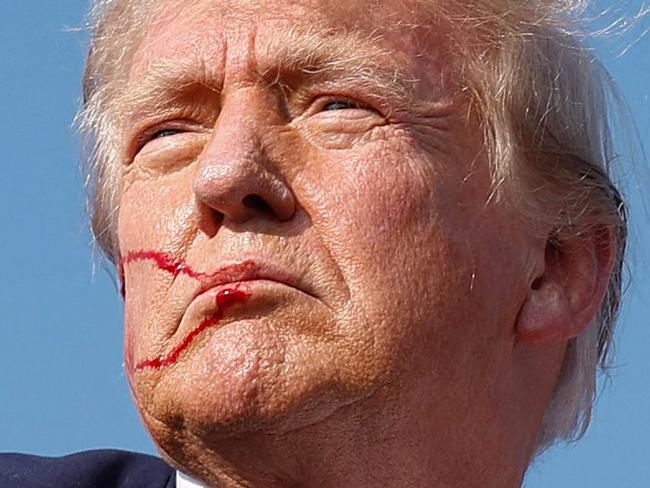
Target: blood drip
[(225, 299)]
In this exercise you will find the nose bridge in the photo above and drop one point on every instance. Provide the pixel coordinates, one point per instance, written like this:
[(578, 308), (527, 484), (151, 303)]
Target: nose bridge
[(234, 174), (236, 138), (236, 148)]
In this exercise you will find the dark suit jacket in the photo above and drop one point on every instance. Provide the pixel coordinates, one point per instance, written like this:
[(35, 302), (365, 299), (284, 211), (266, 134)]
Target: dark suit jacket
[(90, 469)]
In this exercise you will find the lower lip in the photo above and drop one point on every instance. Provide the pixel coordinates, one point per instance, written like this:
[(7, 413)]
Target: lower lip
[(225, 299)]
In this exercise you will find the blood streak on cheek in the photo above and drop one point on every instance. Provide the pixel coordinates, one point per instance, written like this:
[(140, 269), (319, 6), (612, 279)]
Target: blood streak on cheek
[(164, 261), (225, 299), (174, 266)]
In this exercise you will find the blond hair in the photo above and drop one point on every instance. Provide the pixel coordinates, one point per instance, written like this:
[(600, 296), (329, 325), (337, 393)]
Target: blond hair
[(542, 99)]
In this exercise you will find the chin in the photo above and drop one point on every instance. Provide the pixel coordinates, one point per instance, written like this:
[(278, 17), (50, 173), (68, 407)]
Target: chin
[(243, 379)]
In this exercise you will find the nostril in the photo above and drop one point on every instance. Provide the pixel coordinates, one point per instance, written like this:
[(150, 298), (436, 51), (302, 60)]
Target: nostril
[(256, 202)]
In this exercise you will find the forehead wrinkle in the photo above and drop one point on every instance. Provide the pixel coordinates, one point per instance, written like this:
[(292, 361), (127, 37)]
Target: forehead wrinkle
[(310, 55), (330, 54), (350, 54)]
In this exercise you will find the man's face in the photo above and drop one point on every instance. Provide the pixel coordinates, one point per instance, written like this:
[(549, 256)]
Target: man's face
[(304, 226)]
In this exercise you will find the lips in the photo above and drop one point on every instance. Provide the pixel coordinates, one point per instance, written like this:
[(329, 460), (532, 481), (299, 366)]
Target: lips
[(251, 270), (233, 272)]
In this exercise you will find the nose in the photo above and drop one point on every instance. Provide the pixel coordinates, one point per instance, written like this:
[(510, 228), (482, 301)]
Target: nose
[(236, 175)]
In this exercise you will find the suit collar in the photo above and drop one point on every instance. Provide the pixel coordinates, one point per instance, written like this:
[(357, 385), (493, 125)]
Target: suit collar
[(184, 481)]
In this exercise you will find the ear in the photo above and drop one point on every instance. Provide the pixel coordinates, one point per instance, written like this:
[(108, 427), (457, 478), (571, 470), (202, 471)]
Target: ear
[(567, 293)]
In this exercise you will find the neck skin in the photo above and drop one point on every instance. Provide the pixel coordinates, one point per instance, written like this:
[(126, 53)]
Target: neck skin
[(352, 448)]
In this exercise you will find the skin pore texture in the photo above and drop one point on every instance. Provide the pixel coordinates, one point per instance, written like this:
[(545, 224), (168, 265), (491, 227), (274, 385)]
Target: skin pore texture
[(394, 329)]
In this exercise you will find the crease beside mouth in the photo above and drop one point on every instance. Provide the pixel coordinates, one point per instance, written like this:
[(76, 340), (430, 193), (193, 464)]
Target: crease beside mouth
[(225, 300)]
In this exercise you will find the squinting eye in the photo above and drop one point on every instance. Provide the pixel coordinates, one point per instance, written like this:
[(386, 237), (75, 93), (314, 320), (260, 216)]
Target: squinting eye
[(341, 105), (165, 133), (152, 135)]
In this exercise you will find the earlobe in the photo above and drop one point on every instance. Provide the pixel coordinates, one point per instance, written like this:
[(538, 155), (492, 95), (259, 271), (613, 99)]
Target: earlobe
[(567, 294)]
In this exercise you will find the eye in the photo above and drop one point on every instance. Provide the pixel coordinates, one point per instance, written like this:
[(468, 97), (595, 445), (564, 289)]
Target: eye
[(164, 133), (156, 133), (341, 105)]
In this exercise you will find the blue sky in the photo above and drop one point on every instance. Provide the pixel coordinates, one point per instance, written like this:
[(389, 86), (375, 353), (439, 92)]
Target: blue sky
[(62, 387)]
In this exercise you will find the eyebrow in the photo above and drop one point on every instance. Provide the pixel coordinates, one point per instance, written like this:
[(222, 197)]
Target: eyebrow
[(326, 53), (306, 55)]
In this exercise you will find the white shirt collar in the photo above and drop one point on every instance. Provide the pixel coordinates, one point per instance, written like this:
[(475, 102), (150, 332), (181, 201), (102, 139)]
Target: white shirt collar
[(184, 481)]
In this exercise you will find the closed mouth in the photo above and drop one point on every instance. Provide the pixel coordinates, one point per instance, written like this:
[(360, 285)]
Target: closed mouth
[(250, 270)]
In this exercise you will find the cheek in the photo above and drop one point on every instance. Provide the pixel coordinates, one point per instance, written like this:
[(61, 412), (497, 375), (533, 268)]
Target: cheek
[(383, 207), (385, 217), (410, 236), (155, 216), (156, 213)]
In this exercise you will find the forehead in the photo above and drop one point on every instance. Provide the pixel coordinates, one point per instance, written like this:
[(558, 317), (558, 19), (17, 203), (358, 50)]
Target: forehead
[(397, 31), (384, 15)]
